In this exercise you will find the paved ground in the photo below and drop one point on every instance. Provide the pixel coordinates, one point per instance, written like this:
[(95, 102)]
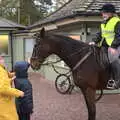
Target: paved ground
[(50, 105)]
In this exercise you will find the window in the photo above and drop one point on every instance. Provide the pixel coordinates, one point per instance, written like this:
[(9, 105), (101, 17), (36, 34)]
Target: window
[(29, 44), (4, 41)]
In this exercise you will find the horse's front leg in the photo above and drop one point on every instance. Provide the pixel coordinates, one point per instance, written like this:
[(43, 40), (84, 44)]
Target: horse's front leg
[(89, 95)]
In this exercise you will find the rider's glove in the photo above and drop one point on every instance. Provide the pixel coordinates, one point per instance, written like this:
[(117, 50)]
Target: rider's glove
[(112, 50)]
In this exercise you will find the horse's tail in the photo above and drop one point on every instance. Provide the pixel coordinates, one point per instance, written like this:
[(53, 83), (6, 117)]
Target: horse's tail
[(100, 96)]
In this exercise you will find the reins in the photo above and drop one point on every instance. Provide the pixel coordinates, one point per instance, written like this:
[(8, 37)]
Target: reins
[(68, 74), (71, 55)]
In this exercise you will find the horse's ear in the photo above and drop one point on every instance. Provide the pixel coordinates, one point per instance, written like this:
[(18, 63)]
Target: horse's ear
[(42, 32)]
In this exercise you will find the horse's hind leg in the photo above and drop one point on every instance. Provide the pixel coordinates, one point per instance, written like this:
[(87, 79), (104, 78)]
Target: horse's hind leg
[(89, 95)]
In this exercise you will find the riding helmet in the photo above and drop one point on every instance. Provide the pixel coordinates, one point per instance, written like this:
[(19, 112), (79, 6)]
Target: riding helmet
[(108, 8)]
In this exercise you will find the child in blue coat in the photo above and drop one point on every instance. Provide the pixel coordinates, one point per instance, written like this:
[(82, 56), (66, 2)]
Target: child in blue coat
[(25, 104)]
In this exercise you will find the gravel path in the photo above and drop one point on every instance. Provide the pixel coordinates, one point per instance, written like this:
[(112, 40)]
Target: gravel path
[(50, 105)]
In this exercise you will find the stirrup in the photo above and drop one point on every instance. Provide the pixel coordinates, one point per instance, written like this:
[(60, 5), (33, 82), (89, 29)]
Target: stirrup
[(111, 84)]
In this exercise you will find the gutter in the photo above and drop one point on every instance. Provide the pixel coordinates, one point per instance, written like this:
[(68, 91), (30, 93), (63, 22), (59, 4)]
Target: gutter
[(75, 14)]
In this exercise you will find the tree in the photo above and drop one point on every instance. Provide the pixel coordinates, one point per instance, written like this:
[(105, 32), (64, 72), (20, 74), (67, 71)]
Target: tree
[(24, 11), (38, 9), (8, 9), (57, 4), (61, 2)]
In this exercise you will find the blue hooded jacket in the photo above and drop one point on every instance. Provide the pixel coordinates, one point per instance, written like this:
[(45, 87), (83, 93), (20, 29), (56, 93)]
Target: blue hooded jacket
[(24, 104), (21, 69)]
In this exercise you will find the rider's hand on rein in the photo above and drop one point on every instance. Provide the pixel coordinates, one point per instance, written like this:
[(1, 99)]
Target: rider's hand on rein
[(112, 50)]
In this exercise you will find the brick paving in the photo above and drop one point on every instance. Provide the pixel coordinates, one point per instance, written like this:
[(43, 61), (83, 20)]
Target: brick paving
[(50, 105)]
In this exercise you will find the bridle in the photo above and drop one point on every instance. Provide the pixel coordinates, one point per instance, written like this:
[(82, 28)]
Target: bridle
[(71, 55)]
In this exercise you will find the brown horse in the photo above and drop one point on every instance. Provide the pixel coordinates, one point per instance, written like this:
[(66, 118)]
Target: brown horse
[(89, 76)]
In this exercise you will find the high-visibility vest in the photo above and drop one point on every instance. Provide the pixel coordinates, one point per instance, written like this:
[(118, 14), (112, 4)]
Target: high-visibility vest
[(108, 31)]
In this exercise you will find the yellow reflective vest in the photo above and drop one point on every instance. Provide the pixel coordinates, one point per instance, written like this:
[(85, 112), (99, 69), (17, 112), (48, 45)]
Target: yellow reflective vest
[(108, 31)]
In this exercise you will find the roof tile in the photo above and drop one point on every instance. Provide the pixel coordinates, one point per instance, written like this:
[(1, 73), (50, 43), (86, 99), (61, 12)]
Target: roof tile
[(73, 6), (4, 23)]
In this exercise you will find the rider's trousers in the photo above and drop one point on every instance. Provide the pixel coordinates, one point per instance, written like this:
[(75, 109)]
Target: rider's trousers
[(115, 65)]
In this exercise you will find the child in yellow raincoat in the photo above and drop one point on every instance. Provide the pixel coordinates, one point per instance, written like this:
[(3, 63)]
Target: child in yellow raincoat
[(7, 95)]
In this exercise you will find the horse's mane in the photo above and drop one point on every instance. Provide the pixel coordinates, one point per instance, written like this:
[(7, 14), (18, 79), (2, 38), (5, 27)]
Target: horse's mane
[(71, 42), (84, 48)]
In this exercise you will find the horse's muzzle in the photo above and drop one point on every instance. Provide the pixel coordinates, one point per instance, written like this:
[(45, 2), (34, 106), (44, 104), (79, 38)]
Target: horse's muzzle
[(35, 64)]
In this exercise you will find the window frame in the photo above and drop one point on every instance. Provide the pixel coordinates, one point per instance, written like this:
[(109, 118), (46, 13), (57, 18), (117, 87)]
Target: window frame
[(9, 43)]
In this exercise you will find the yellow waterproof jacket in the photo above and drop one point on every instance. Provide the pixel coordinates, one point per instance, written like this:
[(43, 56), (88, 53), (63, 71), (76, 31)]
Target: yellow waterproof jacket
[(7, 95)]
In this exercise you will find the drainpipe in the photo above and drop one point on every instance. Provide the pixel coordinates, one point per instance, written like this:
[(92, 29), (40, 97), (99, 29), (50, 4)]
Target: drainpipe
[(84, 32), (11, 39)]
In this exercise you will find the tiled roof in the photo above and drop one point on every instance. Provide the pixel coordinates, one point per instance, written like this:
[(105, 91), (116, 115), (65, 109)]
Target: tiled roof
[(72, 7), (97, 4), (4, 23)]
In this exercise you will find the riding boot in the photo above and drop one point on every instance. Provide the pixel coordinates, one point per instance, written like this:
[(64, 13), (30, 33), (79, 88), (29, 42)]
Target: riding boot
[(116, 73)]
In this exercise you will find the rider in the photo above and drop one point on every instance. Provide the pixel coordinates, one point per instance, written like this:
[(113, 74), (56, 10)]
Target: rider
[(109, 37)]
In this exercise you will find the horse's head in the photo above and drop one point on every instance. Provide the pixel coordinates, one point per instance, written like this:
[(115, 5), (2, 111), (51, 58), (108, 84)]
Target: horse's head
[(41, 49)]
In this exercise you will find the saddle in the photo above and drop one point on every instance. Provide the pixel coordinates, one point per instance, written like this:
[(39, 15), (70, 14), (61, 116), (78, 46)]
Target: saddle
[(103, 58), (104, 63), (101, 55)]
